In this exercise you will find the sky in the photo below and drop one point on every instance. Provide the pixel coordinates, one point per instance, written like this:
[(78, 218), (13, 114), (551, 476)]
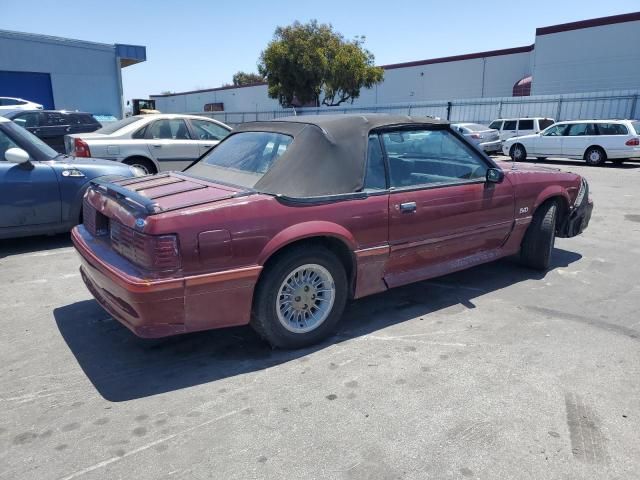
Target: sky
[(194, 44)]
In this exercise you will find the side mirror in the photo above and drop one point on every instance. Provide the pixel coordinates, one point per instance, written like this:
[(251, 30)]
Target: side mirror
[(495, 175), (16, 155)]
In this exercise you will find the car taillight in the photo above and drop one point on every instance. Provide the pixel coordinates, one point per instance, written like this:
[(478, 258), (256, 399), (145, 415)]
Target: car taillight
[(80, 148), (633, 142), (476, 136), (153, 252)]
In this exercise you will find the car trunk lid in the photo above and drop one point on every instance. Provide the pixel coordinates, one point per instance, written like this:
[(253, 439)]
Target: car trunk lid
[(132, 200)]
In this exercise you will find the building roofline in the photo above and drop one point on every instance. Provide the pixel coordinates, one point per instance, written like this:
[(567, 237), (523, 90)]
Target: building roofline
[(594, 22), (456, 58), (204, 90), (34, 37)]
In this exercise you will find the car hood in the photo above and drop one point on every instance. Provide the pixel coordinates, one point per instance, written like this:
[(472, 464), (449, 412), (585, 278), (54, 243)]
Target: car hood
[(80, 162), (508, 166), (523, 137)]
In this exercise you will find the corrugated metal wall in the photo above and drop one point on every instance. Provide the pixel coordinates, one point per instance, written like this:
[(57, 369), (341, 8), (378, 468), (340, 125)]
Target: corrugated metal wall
[(598, 105)]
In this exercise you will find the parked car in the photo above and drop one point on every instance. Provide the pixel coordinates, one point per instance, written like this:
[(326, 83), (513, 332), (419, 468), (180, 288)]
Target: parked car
[(153, 143), (285, 220), (11, 103), (486, 138), (52, 125), (594, 141), (517, 127), (40, 189)]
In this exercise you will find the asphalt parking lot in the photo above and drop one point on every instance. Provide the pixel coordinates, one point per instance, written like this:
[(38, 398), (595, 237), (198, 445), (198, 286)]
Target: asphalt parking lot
[(493, 373)]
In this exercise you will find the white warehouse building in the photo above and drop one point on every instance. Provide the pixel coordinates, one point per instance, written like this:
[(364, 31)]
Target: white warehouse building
[(594, 55)]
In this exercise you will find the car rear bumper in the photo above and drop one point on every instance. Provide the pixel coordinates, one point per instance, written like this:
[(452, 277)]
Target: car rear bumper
[(153, 308), (492, 147)]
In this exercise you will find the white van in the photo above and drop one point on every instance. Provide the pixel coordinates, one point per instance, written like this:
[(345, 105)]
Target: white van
[(517, 127)]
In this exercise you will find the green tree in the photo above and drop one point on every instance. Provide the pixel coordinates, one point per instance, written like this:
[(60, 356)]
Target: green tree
[(305, 61), (244, 78)]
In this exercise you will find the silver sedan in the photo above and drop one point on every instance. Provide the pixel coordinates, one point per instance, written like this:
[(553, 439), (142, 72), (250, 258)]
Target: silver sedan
[(486, 138)]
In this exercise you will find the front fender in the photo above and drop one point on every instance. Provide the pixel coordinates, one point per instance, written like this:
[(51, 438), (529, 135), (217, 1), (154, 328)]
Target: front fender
[(549, 192), (304, 230)]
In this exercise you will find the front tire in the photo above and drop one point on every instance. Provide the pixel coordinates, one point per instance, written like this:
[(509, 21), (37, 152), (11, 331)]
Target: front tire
[(538, 242), (518, 153), (300, 298), (595, 156)]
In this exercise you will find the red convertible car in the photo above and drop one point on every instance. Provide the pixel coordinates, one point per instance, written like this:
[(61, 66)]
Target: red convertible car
[(284, 221)]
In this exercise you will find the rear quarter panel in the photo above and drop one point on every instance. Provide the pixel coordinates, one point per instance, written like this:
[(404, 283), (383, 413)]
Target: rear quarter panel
[(259, 225)]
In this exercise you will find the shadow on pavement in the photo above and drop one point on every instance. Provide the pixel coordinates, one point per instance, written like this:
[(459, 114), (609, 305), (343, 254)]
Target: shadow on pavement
[(17, 246), (123, 367)]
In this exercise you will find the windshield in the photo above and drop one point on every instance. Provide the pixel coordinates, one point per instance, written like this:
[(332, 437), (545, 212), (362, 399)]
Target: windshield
[(22, 136), (115, 126), (242, 159)]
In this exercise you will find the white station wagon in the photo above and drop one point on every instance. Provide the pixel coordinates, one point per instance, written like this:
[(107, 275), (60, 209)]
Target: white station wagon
[(153, 143), (595, 141)]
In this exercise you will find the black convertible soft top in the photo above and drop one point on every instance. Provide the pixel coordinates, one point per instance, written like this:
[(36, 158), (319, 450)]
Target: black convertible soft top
[(328, 154)]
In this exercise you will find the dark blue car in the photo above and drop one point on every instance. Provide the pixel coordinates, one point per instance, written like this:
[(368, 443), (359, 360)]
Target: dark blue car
[(40, 189)]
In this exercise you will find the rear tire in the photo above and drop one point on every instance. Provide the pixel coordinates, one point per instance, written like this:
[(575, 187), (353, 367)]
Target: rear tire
[(538, 242), (143, 164), (518, 153), (300, 298), (595, 156)]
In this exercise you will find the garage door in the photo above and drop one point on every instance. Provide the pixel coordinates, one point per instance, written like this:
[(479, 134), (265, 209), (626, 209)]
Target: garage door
[(32, 86)]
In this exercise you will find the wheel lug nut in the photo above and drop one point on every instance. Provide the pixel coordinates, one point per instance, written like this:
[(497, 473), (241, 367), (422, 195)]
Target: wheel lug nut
[(305, 306), (313, 297), (306, 288), (297, 299)]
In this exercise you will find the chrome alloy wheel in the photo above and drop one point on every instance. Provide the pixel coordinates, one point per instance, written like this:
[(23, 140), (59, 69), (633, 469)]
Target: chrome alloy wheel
[(595, 156), (305, 298)]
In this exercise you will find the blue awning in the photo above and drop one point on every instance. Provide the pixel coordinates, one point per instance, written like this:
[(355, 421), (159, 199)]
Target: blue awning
[(130, 54)]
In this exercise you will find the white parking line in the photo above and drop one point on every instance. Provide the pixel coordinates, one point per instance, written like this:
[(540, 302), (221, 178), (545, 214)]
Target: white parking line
[(111, 460)]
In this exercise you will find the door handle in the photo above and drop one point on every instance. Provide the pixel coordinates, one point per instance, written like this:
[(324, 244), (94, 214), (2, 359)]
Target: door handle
[(408, 207), (157, 145)]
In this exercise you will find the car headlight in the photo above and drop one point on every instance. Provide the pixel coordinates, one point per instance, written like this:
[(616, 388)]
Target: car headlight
[(581, 193), (136, 171)]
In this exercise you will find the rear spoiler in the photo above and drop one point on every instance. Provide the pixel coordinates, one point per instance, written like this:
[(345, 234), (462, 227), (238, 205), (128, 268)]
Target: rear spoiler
[(131, 197)]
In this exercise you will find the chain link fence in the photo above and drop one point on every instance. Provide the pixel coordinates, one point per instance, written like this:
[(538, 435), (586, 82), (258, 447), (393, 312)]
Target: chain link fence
[(600, 105)]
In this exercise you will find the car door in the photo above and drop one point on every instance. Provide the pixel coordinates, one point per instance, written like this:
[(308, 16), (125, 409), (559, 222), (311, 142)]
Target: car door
[(577, 137), (525, 127), (206, 133), (30, 121), (171, 145), (53, 129), (29, 193), (509, 129), (443, 215), (549, 142)]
